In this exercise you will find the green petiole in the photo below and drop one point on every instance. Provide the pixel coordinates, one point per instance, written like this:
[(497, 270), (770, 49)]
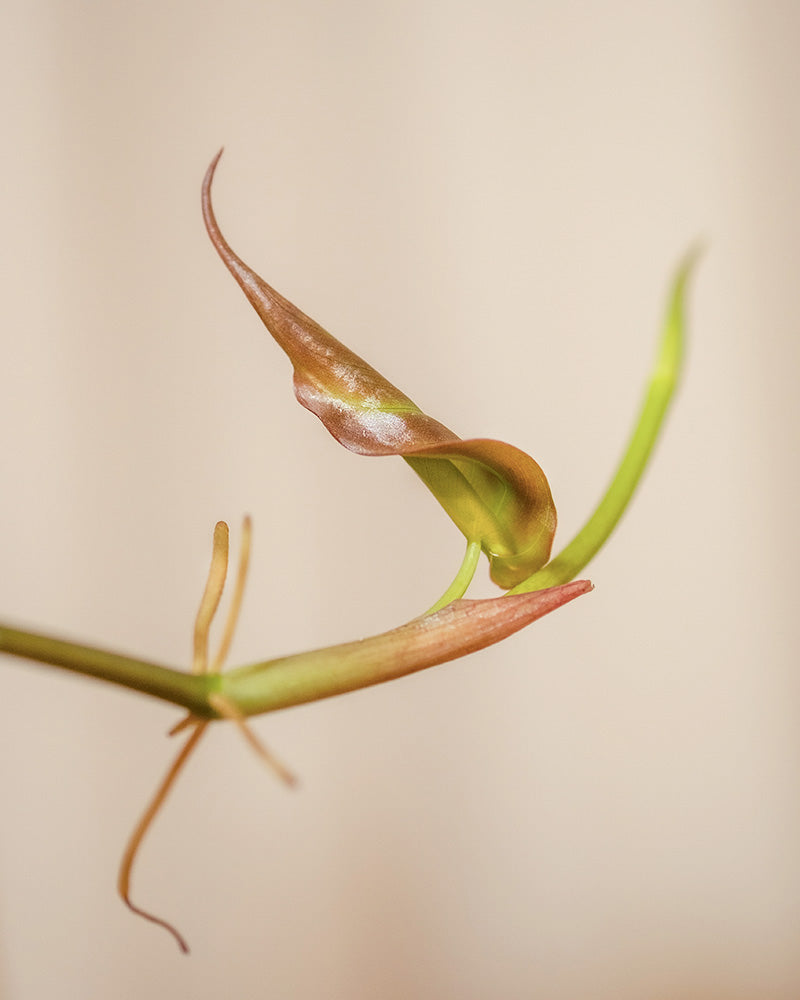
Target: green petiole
[(462, 579), (666, 373)]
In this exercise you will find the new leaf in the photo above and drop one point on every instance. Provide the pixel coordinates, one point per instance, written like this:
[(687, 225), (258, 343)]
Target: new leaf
[(495, 493)]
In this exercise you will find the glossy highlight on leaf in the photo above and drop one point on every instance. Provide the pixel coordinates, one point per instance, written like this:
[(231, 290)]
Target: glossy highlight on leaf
[(495, 493)]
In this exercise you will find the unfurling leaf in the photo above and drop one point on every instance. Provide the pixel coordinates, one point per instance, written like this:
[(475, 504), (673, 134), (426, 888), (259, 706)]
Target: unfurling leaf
[(496, 494), (463, 627)]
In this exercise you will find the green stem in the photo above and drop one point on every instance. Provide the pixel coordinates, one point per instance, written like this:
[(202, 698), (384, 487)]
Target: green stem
[(593, 535), (292, 680), (462, 579), (187, 690), (460, 628)]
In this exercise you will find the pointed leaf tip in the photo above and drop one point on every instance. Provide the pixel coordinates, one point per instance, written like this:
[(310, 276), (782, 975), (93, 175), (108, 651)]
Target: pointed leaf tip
[(496, 494)]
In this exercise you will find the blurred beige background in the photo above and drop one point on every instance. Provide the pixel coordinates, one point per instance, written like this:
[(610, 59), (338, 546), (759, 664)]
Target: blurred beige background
[(486, 200)]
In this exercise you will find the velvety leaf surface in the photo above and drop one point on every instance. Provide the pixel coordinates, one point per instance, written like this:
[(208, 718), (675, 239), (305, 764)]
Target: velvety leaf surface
[(496, 494)]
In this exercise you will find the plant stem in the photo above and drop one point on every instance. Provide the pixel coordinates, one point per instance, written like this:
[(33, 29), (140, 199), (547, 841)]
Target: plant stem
[(461, 628), (461, 580), (187, 690), (451, 628), (663, 381)]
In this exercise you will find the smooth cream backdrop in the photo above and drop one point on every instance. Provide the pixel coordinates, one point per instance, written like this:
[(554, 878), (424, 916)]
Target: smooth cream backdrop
[(486, 200)]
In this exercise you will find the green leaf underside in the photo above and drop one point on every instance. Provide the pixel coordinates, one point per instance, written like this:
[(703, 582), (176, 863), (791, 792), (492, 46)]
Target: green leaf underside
[(496, 494)]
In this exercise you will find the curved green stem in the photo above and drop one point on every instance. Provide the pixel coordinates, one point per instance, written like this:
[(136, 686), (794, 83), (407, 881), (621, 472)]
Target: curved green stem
[(462, 579), (593, 535), (445, 632)]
